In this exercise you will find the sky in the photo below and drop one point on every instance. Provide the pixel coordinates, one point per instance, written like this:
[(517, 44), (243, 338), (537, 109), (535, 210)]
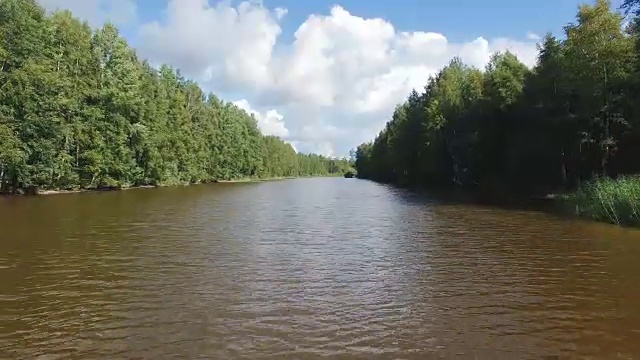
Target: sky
[(323, 75)]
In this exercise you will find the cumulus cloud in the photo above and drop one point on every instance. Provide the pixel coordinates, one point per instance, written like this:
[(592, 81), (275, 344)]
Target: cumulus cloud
[(270, 122), (332, 87), (230, 44), (96, 12)]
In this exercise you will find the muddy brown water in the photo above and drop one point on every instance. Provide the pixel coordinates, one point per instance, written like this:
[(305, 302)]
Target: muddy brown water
[(306, 269)]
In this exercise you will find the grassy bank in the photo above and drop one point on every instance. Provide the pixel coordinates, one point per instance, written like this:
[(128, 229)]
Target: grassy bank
[(250, 179), (254, 179), (615, 201), (117, 188)]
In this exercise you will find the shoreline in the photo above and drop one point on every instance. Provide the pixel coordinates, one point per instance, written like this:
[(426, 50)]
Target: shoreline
[(560, 203), (76, 191), (48, 192), (249, 180)]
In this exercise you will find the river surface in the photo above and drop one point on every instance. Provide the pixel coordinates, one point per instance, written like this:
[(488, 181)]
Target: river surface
[(306, 269)]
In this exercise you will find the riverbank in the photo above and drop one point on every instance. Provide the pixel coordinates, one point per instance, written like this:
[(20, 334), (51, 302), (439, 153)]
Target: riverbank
[(615, 201), (606, 200), (123, 188), (244, 180), (74, 191)]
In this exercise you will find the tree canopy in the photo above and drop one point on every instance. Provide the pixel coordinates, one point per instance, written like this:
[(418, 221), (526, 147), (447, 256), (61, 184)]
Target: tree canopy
[(79, 109), (574, 116)]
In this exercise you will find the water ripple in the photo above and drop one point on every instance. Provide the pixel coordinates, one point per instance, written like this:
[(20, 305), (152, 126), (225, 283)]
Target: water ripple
[(305, 269)]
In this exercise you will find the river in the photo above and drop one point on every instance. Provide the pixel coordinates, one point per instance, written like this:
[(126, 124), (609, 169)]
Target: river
[(305, 269)]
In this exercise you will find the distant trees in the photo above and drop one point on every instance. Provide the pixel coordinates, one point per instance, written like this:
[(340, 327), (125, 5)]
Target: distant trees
[(78, 109), (575, 115)]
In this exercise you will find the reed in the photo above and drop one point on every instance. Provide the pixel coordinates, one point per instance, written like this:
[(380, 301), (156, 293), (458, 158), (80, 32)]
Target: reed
[(616, 201)]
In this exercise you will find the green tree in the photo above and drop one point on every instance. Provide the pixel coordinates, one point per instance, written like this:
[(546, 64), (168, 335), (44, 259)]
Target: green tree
[(78, 109), (574, 116)]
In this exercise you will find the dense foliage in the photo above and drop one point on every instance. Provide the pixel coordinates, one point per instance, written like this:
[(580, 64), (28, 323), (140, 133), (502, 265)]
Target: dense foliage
[(78, 109), (574, 116)]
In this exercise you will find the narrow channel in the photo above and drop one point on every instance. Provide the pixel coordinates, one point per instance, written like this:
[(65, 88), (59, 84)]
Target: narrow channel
[(309, 268)]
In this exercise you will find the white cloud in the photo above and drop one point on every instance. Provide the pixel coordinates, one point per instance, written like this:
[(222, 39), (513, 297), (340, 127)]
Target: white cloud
[(329, 89), (270, 122), (280, 12), (215, 42), (533, 36), (96, 12)]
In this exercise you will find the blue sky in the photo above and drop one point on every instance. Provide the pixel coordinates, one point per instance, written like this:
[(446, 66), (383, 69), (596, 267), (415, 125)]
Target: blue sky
[(460, 20), (336, 83)]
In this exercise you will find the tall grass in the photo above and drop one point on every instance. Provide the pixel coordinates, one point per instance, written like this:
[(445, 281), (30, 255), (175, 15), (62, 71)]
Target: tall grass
[(616, 201)]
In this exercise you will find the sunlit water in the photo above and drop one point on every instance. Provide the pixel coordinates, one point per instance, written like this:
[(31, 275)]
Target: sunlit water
[(306, 269)]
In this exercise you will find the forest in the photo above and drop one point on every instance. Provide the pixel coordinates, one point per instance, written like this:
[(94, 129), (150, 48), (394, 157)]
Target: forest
[(80, 110), (572, 118)]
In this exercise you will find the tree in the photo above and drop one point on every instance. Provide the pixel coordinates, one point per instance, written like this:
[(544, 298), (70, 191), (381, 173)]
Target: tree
[(572, 117), (599, 61), (78, 109)]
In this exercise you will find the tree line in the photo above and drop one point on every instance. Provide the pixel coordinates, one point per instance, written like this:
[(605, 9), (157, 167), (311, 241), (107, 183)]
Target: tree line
[(79, 109), (572, 117)]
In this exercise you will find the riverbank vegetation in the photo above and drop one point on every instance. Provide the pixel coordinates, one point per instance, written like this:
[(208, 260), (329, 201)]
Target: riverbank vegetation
[(615, 201), (509, 129), (80, 110)]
